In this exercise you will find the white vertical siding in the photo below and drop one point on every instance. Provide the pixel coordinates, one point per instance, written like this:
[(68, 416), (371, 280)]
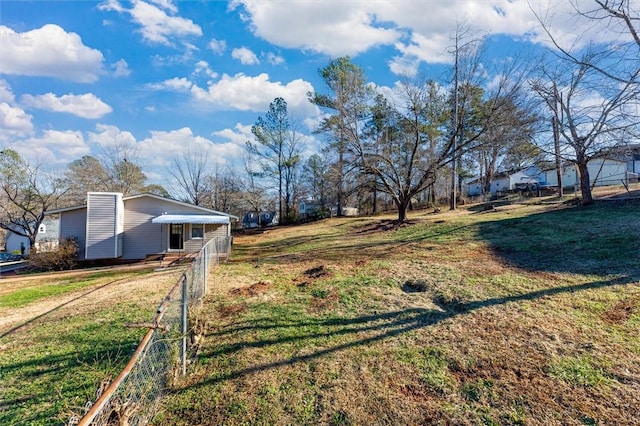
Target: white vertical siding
[(103, 226)]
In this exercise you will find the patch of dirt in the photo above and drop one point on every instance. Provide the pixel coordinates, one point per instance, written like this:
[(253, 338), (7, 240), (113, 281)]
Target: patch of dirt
[(253, 290), (323, 303), (227, 311), (317, 272), (312, 274), (620, 312), (412, 286)]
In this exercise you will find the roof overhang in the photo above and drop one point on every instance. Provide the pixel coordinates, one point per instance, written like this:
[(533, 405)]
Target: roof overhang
[(191, 218)]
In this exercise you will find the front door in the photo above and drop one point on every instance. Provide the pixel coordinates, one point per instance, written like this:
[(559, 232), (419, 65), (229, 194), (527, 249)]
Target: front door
[(176, 231)]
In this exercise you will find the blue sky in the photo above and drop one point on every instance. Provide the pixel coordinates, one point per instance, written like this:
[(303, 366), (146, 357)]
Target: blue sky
[(165, 76)]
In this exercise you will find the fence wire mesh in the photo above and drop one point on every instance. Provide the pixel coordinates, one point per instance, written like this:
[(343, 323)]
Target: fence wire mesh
[(132, 398)]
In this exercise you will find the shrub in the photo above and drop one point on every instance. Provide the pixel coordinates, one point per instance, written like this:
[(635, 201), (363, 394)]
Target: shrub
[(59, 259)]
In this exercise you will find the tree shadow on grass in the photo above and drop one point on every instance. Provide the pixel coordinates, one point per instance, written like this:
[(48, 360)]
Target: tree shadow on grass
[(598, 240), (42, 384), (377, 328), (61, 305)]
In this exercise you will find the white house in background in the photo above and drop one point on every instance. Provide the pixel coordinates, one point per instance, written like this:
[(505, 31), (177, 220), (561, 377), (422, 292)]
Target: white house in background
[(506, 181), (47, 238), (602, 172), (112, 226)]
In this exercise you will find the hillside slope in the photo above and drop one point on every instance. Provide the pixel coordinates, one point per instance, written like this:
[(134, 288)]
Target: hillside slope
[(523, 315)]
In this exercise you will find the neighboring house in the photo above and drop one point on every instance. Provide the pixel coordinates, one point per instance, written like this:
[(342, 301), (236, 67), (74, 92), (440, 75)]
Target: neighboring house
[(47, 238), (629, 152), (602, 172), (506, 181), (259, 220), (309, 208), (346, 211), (112, 226)]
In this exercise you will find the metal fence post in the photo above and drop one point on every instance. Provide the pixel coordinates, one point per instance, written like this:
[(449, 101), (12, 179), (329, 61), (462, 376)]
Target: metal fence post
[(183, 352), (205, 262)]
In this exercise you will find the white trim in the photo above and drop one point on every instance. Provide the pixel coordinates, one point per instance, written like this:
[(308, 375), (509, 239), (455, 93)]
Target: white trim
[(191, 218)]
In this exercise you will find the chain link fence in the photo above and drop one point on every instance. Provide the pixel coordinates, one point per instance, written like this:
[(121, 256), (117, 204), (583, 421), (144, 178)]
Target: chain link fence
[(162, 355)]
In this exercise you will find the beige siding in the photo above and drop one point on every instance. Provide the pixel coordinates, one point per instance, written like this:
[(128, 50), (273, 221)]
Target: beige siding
[(211, 231), (141, 237), (73, 224)]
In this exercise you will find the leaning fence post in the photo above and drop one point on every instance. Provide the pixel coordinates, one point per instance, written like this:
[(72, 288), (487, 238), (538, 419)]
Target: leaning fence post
[(183, 352)]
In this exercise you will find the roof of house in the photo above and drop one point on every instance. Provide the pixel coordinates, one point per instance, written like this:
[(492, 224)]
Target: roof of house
[(158, 197)]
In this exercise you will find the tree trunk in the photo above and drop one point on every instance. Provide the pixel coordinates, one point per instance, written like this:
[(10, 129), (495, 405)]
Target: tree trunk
[(403, 206), (32, 244), (585, 184), (281, 219)]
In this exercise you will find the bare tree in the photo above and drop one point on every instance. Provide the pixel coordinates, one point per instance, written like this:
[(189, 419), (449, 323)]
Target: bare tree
[(508, 139), (84, 175), (618, 18), (223, 191), (190, 172), (317, 180), (592, 114), (253, 194), (27, 193)]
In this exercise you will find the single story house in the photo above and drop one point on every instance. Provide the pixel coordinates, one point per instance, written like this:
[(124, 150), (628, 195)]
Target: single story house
[(260, 219), (602, 172), (309, 208), (506, 181), (346, 211), (111, 226), (47, 238)]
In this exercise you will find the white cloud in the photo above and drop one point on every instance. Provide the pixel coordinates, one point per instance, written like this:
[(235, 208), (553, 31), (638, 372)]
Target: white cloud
[(217, 46), (6, 93), (406, 66), (245, 56), (156, 25), (203, 68), (318, 25), (274, 59), (166, 4), (86, 105), (121, 68), (49, 51), (239, 135), (247, 93), (54, 147), (107, 136), (182, 141), (175, 84), (420, 31), (14, 122)]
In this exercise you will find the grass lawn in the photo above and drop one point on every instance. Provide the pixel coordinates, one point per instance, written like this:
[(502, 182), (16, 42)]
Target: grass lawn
[(62, 335), (524, 315)]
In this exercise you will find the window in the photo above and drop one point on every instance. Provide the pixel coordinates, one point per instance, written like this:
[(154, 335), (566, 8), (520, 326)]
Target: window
[(197, 231)]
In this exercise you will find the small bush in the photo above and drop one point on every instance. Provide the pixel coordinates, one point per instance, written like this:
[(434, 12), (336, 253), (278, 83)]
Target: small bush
[(60, 259)]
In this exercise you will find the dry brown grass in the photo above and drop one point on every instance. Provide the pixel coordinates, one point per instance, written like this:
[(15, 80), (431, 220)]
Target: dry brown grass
[(316, 325)]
